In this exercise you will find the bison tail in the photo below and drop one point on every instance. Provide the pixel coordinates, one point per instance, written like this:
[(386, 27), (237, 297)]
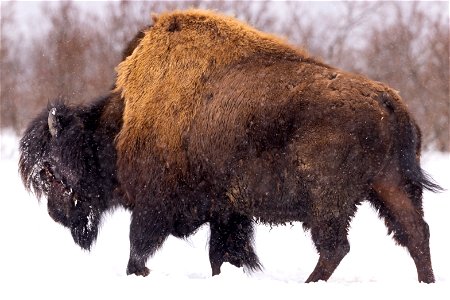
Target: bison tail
[(407, 146), (428, 183)]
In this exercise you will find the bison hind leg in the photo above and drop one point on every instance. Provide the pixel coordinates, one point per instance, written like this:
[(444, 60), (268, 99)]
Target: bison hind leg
[(231, 240), (401, 207)]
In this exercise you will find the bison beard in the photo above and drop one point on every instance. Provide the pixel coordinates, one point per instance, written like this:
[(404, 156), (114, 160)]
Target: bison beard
[(215, 122)]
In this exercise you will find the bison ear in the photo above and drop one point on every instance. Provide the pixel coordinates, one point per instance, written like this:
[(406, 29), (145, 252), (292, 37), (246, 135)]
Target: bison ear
[(154, 17), (54, 126)]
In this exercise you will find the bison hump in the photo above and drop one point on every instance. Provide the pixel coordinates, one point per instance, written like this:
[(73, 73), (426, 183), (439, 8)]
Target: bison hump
[(163, 81)]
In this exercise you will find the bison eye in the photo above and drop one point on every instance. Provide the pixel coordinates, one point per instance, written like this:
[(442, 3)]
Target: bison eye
[(53, 181)]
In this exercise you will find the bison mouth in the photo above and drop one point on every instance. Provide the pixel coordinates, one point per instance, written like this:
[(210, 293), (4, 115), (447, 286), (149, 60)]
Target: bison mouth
[(60, 198)]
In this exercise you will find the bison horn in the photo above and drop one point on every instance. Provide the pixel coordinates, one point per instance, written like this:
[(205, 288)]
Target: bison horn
[(52, 122)]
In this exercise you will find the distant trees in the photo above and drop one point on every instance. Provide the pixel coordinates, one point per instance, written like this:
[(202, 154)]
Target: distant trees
[(10, 70), (405, 44), (412, 55), (62, 57)]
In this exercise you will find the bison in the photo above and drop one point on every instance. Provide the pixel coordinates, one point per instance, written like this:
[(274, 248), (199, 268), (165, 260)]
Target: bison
[(212, 121)]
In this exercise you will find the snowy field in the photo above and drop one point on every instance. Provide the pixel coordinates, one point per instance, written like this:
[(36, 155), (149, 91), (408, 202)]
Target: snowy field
[(39, 260)]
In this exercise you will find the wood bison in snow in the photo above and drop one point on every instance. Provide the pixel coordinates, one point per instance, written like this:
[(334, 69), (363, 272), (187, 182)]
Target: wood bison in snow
[(212, 121)]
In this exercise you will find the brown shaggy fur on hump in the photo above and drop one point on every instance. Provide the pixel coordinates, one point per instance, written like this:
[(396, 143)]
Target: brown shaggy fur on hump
[(180, 58), (162, 80)]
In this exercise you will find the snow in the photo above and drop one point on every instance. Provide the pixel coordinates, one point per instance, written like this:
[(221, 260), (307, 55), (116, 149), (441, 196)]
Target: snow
[(39, 259)]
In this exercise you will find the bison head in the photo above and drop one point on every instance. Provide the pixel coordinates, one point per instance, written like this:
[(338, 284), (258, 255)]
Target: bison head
[(58, 159)]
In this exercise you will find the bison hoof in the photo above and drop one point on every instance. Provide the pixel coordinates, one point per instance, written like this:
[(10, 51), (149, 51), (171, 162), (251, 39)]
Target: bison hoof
[(215, 271), (142, 271)]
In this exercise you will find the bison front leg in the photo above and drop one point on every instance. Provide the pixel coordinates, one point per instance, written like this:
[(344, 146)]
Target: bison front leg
[(148, 232), (331, 250), (231, 241)]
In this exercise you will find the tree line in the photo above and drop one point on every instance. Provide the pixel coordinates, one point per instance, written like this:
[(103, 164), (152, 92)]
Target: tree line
[(74, 50)]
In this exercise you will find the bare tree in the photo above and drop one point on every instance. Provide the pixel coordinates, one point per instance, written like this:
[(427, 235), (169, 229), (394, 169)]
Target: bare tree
[(332, 35), (411, 54), (61, 55), (10, 69)]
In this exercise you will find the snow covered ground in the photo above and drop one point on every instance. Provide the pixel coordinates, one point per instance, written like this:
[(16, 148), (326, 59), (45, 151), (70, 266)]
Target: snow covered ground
[(38, 258)]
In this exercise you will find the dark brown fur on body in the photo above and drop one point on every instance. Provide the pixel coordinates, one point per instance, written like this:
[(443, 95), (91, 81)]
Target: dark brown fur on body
[(224, 124)]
